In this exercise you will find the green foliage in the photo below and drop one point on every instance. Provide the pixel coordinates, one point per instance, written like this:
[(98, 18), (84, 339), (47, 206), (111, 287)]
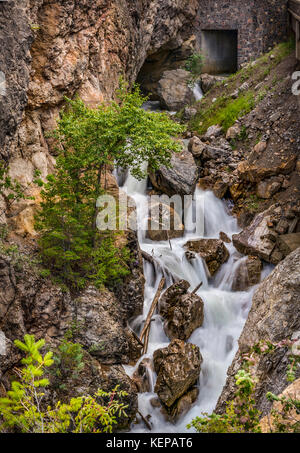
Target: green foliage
[(241, 415), (194, 65), (119, 133), (23, 409), (10, 189), (68, 362), (226, 111), (284, 420)]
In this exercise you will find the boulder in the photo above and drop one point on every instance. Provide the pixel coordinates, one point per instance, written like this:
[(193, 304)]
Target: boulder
[(233, 132), (275, 317), (196, 147), (220, 188), (287, 243), (142, 376), (247, 274), (164, 223), (181, 406), (173, 90), (213, 131), (263, 163), (178, 368), (223, 236), (180, 178), (183, 311), (208, 81), (254, 239), (267, 188), (213, 251), (189, 113)]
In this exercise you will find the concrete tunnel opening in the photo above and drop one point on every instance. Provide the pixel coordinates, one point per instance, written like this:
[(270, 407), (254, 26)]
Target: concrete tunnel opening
[(220, 50)]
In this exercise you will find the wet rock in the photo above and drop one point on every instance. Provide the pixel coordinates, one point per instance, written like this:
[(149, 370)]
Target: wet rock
[(181, 406), (164, 223), (142, 376), (196, 147), (274, 316), (173, 89), (220, 188), (183, 312), (223, 236), (178, 368), (247, 274), (213, 131), (254, 239), (213, 251), (266, 189), (180, 178)]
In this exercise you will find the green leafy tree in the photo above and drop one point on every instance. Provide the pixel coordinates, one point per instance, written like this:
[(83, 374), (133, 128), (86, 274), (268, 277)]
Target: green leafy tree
[(117, 133), (194, 65), (24, 408)]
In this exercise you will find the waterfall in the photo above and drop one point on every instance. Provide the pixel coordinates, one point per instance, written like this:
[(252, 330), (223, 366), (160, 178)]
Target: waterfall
[(197, 92), (225, 311)]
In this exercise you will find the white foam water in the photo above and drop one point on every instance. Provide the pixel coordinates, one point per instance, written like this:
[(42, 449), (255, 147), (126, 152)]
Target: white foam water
[(225, 311)]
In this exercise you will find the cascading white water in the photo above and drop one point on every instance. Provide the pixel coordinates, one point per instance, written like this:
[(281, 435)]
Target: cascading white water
[(225, 311), (197, 92)]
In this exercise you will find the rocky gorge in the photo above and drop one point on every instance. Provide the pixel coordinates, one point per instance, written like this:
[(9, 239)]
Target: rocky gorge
[(224, 290)]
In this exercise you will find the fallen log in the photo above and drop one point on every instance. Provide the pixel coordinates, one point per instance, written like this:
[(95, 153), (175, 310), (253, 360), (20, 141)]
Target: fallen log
[(153, 307), (197, 287)]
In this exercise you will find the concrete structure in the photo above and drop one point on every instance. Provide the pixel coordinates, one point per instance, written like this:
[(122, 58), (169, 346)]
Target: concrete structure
[(232, 32)]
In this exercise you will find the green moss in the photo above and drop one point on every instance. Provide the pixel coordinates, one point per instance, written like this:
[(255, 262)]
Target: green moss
[(218, 106), (225, 112)]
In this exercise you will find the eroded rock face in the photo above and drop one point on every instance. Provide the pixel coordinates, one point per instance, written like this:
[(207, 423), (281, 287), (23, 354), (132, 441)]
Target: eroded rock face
[(271, 234), (213, 251), (32, 304), (180, 178), (183, 312), (247, 274), (178, 368), (274, 316), (64, 48), (173, 90), (100, 328), (96, 376)]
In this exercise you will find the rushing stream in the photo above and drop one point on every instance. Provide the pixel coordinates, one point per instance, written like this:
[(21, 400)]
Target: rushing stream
[(225, 311)]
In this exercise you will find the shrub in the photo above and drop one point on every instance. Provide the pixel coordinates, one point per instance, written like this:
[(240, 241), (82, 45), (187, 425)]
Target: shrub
[(120, 133), (24, 410)]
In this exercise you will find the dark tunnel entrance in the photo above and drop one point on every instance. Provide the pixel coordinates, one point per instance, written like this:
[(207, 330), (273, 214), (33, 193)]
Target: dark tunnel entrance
[(220, 49)]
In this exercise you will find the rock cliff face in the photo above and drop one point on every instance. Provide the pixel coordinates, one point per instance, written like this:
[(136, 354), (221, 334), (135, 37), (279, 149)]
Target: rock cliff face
[(56, 48), (274, 316)]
